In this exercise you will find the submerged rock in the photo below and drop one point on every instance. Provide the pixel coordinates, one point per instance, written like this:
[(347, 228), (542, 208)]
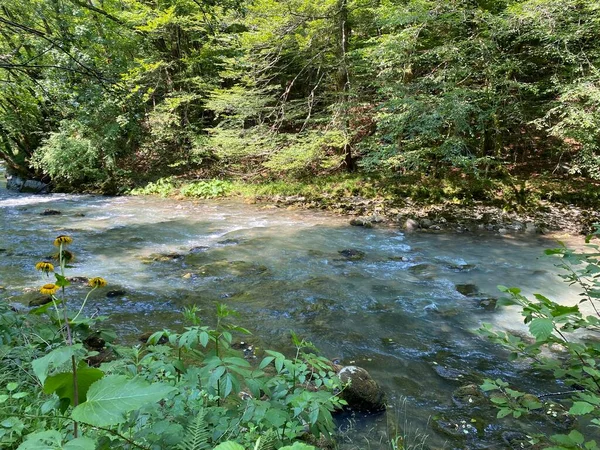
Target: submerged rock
[(362, 392), (487, 303), (468, 290), (199, 249), (456, 427), (232, 268), (50, 212), (469, 395), (162, 257), (116, 293), (352, 254)]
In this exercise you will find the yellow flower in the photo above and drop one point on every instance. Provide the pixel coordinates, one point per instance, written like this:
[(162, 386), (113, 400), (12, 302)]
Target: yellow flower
[(49, 289), (62, 239), (66, 255), (44, 266), (97, 282)]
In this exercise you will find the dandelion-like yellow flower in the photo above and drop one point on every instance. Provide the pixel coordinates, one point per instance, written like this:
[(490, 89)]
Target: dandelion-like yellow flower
[(97, 282), (45, 267), (49, 289), (67, 256), (62, 239)]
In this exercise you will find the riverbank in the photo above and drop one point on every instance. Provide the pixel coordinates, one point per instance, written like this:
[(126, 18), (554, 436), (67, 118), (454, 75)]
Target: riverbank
[(535, 206), (546, 218), (541, 205)]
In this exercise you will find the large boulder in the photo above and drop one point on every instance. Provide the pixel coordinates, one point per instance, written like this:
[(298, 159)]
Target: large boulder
[(15, 183), (361, 391)]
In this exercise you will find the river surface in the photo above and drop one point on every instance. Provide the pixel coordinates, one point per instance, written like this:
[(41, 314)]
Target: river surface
[(395, 311)]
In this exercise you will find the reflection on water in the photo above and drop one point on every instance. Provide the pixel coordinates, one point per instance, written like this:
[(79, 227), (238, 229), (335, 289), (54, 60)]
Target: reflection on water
[(389, 303)]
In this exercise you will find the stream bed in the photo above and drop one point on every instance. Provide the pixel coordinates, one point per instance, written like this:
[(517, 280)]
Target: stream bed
[(403, 306)]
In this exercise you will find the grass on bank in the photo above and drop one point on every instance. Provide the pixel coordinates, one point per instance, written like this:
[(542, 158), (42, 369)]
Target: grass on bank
[(510, 193)]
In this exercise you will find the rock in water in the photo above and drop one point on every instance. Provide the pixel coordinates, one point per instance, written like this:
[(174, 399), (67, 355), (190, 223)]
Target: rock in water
[(362, 391), (352, 254), (50, 212)]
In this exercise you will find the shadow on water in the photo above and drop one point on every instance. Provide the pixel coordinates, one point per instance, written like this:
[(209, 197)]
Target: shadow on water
[(402, 306)]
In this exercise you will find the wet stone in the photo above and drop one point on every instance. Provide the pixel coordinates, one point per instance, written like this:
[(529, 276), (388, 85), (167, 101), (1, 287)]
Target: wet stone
[(468, 290), (517, 440), (488, 304), (469, 396), (199, 249), (116, 293), (361, 222), (232, 268), (461, 267), (352, 254), (229, 242), (362, 393), (79, 280), (422, 269), (162, 257), (456, 427), (449, 373), (39, 301), (50, 212)]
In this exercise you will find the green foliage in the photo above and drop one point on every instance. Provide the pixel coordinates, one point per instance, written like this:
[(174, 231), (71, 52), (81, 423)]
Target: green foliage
[(573, 330), (206, 189), (163, 187)]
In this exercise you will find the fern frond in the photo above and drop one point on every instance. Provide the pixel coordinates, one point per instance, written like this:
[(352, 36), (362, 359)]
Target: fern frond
[(197, 435)]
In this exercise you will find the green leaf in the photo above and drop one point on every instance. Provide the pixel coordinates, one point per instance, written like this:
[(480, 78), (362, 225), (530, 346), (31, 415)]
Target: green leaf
[(110, 398), (266, 361), (541, 328), (53, 360), (503, 413), (581, 408), (82, 443), (62, 383), (229, 445), (204, 338), (298, 446), (576, 437), (44, 440), (61, 281)]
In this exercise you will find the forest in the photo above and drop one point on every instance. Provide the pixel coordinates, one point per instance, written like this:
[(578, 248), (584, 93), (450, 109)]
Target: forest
[(108, 95)]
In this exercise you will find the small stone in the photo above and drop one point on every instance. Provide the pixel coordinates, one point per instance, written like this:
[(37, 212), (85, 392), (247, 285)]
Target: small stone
[(188, 275), (50, 212), (116, 293), (411, 225), (426, 223)]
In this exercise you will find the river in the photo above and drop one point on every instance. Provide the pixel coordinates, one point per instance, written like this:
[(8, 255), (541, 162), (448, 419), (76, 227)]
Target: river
[(377, 298)]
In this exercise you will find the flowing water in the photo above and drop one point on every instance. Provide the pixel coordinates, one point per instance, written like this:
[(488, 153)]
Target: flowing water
[(395, 310)]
